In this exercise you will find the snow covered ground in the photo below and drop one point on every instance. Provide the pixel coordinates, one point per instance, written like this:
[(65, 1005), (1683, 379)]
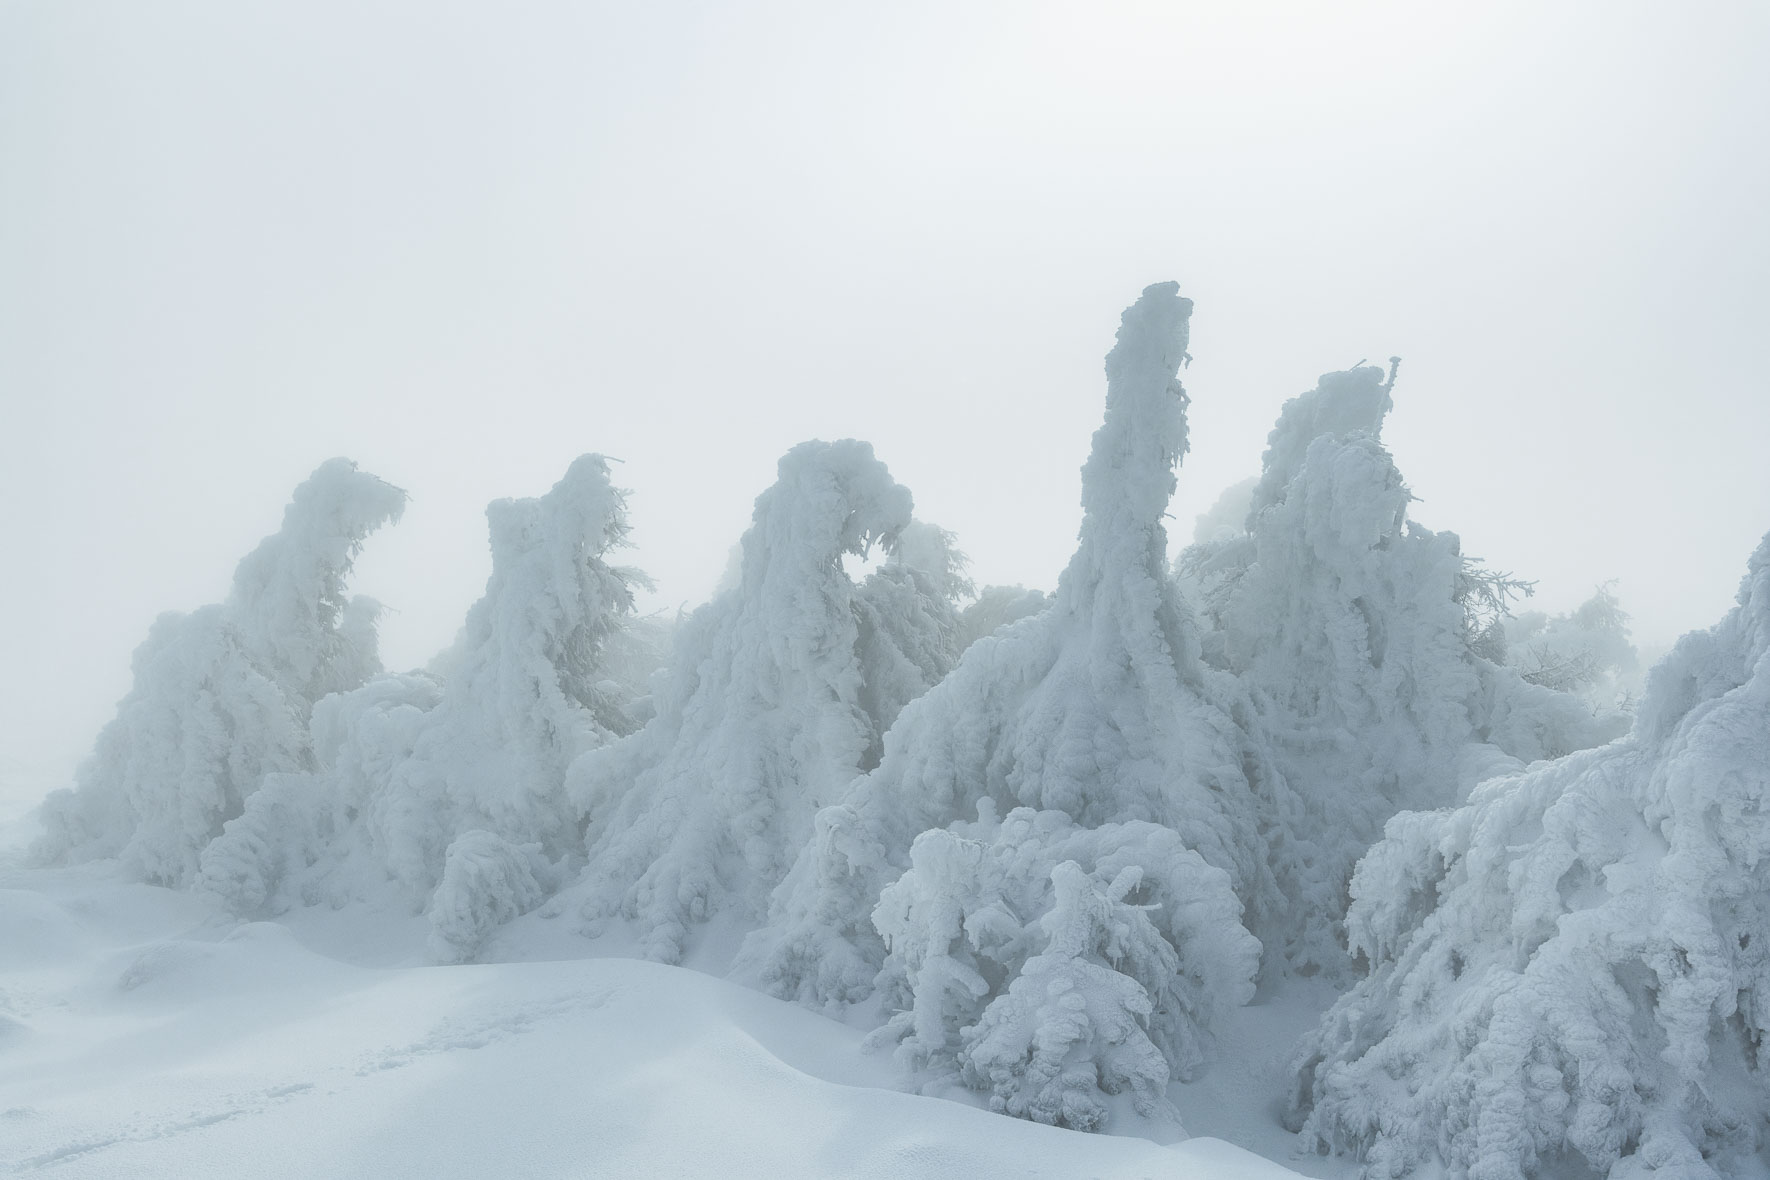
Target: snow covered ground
[(143, 1032)]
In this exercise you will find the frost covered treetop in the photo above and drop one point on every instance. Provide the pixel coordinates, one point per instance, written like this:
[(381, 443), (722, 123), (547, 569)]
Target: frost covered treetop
[(288, 595), (1354, 401), (222, 696), (1129, 476)]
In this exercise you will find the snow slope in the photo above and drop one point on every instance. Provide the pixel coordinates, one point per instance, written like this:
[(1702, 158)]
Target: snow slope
[(146, 1033)]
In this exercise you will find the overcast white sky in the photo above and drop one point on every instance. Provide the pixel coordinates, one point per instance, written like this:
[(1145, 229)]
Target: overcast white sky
[(464, 243)]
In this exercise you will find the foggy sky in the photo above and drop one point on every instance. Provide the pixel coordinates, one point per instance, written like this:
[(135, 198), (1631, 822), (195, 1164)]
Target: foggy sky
[(464, 243)]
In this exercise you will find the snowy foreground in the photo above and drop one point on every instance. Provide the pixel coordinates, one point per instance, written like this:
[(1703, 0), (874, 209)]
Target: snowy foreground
[(151, 1035)]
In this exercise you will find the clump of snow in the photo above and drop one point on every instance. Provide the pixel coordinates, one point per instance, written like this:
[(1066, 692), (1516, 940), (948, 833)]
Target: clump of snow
[(778, 694), (409, 768), (221, 696), (1576, 965)]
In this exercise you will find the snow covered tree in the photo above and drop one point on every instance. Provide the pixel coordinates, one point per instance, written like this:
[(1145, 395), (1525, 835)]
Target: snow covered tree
[(1070, 1025), (1585, 651), (778, 692), (1571, 974), (221, 696), (1347, 627), (1044, 961), (1097, 708), (910, 630), (408, 767)]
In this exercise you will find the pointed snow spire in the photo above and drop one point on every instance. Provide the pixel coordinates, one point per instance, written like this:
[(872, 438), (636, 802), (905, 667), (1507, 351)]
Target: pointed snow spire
[(1129, 476)]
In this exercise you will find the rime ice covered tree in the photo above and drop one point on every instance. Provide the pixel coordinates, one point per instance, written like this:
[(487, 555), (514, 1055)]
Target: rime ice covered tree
[(1347, 627), (778, 692), (1044, 961), (1573, 971), (455, 789), (222, 695), (1096, 708), (910, 625)]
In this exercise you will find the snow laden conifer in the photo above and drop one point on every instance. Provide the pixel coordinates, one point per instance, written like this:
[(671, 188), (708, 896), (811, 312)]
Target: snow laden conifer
[(1571, 974), (910, 625), (1046, 962), (222, 695), (1097, 715), (455, 791), (777, 696), (1348, 628)]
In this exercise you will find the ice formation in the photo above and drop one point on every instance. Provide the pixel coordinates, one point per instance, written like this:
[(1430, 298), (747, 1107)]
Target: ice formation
[(222, 695), (779, 692), (1573, 970), (1096, 714), (457, 788)]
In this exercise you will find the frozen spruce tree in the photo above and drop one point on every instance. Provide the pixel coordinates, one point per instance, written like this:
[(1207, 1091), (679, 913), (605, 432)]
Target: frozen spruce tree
[(778, 694), (1349, 628), (1571, 974), (1096, 709), (456, 791), (222, 695), (1047, 962)]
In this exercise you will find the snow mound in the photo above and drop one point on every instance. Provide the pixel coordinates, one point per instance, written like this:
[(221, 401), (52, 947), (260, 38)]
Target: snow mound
[(157, 1039)]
